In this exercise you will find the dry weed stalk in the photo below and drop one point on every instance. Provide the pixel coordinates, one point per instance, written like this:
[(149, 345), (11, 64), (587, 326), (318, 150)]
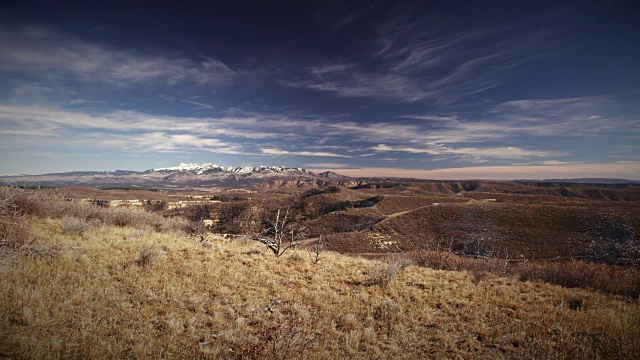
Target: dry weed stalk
[(147, 255)]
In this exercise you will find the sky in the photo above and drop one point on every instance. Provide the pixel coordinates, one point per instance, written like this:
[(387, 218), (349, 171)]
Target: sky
[(425, 89)]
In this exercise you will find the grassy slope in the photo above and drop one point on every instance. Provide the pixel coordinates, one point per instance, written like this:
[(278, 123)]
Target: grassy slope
[(93, 300)]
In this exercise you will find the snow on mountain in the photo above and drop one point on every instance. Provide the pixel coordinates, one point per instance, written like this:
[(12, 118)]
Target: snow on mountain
[(201, 168), (189, 166)]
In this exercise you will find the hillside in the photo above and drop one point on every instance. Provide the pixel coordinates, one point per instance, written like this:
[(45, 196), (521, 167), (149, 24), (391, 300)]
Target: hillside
[(129, 292)]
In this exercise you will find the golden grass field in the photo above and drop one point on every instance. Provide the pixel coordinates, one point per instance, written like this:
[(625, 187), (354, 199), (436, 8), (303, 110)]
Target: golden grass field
[(133, 292)]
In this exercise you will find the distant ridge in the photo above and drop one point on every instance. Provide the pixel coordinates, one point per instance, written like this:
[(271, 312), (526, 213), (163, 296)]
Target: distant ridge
[(585, 181), (208, 175), (185, 175)]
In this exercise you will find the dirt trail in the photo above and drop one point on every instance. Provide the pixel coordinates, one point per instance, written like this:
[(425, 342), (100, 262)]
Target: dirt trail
[(306, 242), (374, 255), (395, 215), (470, 202)]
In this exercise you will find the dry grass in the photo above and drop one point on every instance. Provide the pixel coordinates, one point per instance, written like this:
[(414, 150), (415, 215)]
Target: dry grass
[(615, 280), (77, 226), (236, 300), (16, 204)]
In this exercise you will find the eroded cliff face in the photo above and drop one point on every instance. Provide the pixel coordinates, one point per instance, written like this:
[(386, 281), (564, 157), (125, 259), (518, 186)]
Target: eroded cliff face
[(308, 182), (291, 183), (352, 183)]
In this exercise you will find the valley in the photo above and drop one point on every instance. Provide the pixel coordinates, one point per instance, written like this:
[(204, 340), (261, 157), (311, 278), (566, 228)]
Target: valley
[(542, 220)]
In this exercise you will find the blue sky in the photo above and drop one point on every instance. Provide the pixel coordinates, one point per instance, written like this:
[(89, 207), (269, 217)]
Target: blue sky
[(431, 89)]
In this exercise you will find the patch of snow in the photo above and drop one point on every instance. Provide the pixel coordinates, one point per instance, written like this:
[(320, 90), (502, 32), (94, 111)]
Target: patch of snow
[(201, 168)]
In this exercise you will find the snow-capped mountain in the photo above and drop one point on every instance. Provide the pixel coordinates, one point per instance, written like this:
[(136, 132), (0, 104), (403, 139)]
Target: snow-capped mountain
[(187, 175), (202, 168)]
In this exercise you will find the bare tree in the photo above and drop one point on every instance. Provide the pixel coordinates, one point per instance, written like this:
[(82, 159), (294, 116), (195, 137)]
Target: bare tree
[(317, 249), (282, 234)]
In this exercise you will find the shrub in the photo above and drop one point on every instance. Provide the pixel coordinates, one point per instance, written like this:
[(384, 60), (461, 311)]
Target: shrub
[(229, 215), (147, 255), (369, 202), (14, 226), (310, 193), (382, 274), (282, 338), (439, 260), (140, 218), (154, 206), (314, 192), (171, 224), (331, 206), (610, 279), (295, 258), (59, 208), (198, 213), (125, 217), (199, 230), (387, 314), (615, 280), (77, 226), (29, 205)]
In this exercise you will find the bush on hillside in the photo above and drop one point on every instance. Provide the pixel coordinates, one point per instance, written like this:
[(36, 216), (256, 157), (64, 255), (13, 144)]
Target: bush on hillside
[(76, 226), (14, 226), (17, 203), (573, 274)]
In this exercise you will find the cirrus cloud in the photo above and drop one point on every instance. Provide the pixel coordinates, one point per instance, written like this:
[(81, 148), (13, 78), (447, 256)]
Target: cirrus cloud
[(54, 55)]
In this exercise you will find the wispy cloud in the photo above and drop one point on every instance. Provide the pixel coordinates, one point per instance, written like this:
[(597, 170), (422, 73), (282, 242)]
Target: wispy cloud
[(278, 152), (469, 152), (415, 61), (557, 162), (239, 134), (511, 132), (160, 141), (198, 105), (430, 117), (337, 15), (350, 82), (54, 55), (595, 116), (328, 166)]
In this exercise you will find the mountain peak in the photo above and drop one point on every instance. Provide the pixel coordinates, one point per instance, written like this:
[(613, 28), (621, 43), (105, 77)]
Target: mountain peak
[(201, 168)]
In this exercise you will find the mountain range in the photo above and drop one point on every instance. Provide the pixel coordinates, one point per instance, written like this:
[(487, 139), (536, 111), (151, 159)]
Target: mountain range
[(185, 175), (208, 175)]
